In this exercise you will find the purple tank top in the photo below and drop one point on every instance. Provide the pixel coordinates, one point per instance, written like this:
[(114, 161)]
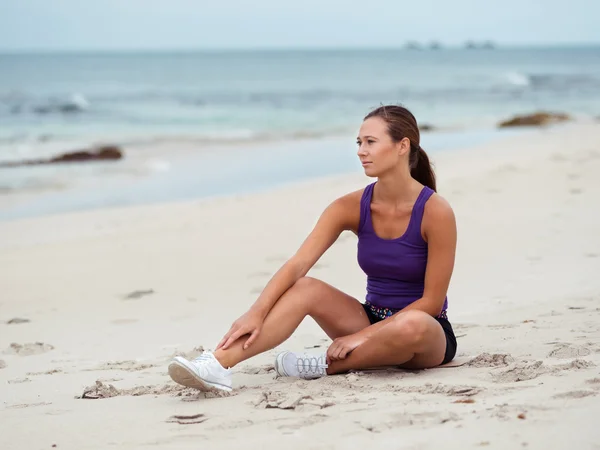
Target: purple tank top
[(395, 268)]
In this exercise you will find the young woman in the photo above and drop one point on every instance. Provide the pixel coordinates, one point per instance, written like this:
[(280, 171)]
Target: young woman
[(406, 246)]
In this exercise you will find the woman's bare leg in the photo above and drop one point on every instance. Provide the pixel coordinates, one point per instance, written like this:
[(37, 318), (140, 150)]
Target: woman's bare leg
[(337, 314), (412, 340)]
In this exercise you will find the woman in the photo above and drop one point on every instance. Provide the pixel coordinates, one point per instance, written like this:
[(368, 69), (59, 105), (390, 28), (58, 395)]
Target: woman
[(406, 246)]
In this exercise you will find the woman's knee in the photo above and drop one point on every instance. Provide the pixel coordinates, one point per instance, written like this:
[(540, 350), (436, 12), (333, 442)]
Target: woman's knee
[(308, 289), (308, 284), (412, 327)]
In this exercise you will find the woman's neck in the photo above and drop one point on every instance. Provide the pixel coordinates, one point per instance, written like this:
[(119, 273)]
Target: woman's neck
[(397, 188)]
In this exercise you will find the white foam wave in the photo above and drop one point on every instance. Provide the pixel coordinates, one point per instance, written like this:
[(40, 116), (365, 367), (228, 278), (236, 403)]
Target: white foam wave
[(517, 79), (158, 165)]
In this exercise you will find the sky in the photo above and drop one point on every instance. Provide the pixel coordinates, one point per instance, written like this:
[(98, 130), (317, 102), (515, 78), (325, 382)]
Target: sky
[(226, 24)]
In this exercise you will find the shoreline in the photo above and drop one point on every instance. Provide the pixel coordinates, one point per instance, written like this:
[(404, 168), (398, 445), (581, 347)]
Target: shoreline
[(163, 173)]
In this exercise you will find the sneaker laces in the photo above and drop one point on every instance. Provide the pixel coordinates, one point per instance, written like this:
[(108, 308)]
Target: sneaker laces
[(202, 358), (311, 365)]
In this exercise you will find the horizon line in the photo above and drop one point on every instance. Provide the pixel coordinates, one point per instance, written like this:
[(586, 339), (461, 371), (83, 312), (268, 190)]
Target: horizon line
[(422, 46)]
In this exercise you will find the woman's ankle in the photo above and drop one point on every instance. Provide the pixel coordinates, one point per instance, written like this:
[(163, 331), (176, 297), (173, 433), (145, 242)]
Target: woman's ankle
[(224, 358)]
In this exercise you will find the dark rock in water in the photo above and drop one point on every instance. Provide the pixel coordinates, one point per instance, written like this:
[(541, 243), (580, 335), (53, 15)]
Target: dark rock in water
[(535, 119), (426, 127), (102, 153), (105, 153)]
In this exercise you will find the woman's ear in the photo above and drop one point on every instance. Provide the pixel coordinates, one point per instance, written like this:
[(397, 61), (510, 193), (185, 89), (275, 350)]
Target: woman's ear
[(404, 146)]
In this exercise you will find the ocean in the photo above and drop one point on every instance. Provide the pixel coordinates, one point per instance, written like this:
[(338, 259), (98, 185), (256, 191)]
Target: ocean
[(162, 106)]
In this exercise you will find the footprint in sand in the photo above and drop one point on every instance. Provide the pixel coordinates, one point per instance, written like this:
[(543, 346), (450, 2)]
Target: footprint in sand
[(256, 290), (491, 360), (138, 294), (187, 420), (564, 351), (48, 372), (282, 400), (522, 371), (232, 425), (306, 422), (19, 381), (576, 364), (399, 420), (17, 320), (595, 382), (127, 366), (502, 326), (465, 326), (29, 349), (28, 405), (575, 191), (575, 394), (2, 364), (101, 391)]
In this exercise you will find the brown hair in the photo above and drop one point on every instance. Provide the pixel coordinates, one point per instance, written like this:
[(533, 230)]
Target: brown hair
[(402, 124)]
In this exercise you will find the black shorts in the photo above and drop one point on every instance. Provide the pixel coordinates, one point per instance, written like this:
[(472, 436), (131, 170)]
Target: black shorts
[(446, 326)]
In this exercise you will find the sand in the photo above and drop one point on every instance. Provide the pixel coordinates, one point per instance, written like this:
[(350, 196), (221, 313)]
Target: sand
[(105, 298)]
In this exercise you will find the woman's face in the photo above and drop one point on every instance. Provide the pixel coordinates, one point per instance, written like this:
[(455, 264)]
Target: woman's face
[(376, 150)]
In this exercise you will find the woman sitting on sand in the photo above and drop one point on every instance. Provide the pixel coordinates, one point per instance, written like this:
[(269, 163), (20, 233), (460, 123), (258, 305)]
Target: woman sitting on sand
[(406, 246)]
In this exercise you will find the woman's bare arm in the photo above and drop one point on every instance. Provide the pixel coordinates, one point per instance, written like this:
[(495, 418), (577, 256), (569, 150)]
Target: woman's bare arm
[(342, 214)]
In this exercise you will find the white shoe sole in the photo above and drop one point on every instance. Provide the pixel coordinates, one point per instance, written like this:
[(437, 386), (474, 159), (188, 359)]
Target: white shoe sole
[(181, 374), (279, 365)]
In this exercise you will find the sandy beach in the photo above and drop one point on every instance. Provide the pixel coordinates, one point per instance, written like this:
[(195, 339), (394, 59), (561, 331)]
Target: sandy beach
[(94, 304)]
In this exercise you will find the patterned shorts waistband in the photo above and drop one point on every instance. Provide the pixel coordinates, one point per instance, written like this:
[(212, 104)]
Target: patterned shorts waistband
[(383, 313)]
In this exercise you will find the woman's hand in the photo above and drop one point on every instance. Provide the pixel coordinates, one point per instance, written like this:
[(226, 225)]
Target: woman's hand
[(249, 323), (341, 347)]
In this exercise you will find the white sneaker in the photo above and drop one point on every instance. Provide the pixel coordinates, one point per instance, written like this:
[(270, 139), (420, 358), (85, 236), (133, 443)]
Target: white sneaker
[(204, 373), (289, 364)]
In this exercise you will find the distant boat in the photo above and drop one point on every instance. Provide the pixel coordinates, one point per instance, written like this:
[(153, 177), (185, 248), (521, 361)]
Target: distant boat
[(413, 45), (485, 45)]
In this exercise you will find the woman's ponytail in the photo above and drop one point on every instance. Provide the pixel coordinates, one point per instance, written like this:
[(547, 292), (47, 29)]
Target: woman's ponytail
[(420, 167)]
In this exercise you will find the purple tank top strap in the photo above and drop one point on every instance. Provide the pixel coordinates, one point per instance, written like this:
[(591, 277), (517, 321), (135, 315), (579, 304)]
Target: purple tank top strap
[(414, 233), (365, 207)]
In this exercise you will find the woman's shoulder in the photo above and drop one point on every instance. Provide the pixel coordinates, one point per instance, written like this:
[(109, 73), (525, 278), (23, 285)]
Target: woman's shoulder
[(347, 208), (351, 199), (438, 212)]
